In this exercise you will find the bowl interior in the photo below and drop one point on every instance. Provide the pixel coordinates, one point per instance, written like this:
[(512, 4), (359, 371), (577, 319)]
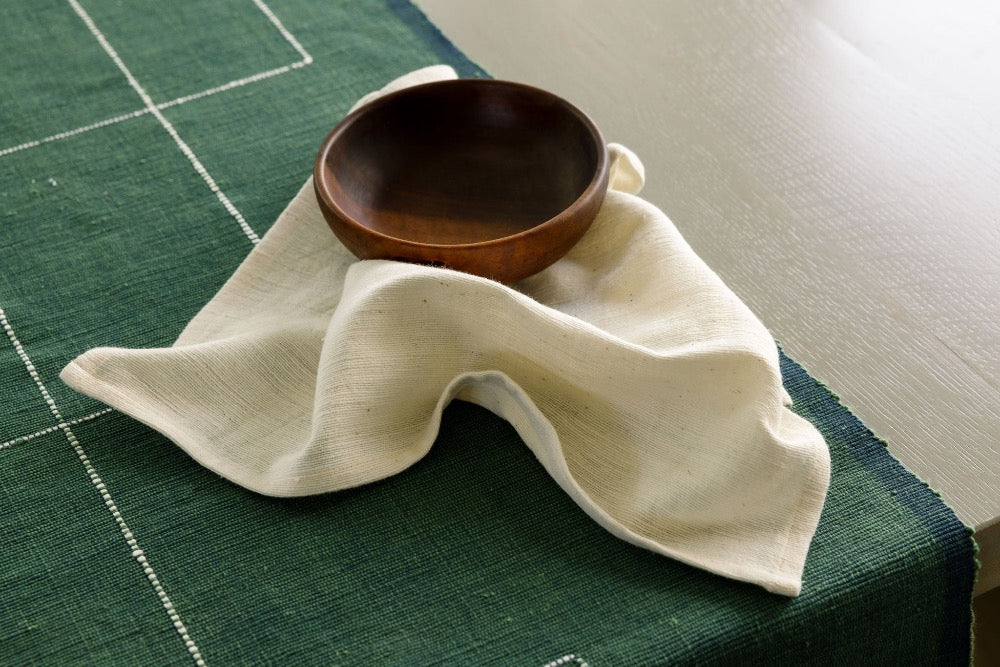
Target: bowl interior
[(459, 162)]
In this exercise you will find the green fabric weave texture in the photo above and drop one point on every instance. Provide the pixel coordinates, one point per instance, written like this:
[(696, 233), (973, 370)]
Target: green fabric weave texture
[(143, 148)]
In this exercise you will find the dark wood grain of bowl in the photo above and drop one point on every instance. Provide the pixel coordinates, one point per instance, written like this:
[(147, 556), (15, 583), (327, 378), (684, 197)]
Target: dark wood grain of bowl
[(493, 178)]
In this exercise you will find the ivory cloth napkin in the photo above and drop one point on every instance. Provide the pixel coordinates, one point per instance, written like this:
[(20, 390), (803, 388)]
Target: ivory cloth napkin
[(643, 385)]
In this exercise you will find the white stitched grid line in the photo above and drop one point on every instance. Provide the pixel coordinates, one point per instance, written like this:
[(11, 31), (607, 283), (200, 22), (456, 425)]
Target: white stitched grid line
[(567, 659), (236, 83), (150, 107), (109, 502), (52, 429), (230, 85), (289, 37), (70, 133), (147, 100)]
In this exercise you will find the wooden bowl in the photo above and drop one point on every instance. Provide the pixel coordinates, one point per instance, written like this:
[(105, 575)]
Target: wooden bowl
[(493, 178)]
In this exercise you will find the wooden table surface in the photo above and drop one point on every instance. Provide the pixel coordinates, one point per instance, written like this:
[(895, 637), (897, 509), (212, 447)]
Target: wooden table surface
[(838, 164)]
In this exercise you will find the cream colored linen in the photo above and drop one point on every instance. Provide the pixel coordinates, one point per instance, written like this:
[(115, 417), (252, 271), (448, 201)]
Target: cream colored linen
[(642, 384)]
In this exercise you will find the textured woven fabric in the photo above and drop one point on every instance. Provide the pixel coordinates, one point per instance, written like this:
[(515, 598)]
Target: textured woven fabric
[(642, 384), (118, 548)]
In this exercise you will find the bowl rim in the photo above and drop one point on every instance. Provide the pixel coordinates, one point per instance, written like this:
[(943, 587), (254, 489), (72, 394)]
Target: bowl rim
[(599, 177)]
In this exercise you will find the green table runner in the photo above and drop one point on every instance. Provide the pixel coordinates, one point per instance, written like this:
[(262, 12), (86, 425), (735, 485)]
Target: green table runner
[(143, 149)]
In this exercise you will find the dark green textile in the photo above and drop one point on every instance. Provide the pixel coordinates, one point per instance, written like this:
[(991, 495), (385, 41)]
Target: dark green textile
[(118, 549)]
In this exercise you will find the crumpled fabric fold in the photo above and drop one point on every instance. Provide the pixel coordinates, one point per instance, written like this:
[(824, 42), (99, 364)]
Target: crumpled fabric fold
[(642, 384)]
